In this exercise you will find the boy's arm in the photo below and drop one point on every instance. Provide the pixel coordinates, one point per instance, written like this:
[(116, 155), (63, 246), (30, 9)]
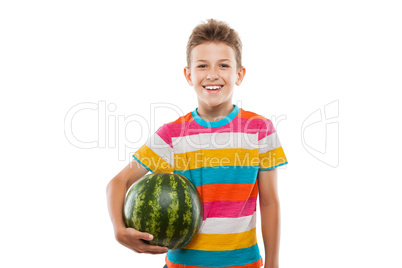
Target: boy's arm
[(270, 216), (116, 192)]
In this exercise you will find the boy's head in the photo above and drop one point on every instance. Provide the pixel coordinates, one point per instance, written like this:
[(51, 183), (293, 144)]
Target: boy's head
[(214, 65), (217, 32)]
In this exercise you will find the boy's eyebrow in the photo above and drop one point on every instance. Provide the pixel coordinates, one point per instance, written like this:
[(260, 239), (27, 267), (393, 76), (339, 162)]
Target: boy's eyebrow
[(218, 60)]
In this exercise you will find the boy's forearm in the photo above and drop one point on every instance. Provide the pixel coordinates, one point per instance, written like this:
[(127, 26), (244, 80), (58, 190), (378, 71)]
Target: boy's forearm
[(115, 193), (270, 218)]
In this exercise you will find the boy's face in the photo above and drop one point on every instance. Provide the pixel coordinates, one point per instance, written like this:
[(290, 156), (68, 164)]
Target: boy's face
[(213, 75)]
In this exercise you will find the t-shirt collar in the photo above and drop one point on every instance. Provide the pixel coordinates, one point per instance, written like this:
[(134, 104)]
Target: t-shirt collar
[(219, 123)]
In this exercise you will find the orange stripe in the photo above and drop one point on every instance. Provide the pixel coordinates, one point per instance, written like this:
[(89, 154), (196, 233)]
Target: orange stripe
[(228, 191), (256, 264), (250, 115), (242, 114), (182, 119)]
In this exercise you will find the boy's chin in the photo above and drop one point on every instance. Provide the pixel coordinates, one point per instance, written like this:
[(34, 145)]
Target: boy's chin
[(215, 104)]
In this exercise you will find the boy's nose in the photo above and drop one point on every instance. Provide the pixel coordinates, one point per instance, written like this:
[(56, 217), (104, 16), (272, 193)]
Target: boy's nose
[(212, 76)]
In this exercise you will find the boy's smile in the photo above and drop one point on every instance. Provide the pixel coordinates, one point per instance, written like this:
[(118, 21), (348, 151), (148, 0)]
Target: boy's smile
[(213, 88), (213, 75)]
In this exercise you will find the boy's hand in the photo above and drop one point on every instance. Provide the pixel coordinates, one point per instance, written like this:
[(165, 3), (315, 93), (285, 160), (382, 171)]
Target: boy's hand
[(132, 239)]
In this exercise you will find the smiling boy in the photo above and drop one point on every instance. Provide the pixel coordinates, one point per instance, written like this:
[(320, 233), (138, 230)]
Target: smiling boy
[(228, 153), (213, 72)]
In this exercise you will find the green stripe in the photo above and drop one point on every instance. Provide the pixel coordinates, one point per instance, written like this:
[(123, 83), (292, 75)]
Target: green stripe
[(186, 208), (194, 205), (165, 201), (198, 212), (137, 196), (153, 222), (173, 210)]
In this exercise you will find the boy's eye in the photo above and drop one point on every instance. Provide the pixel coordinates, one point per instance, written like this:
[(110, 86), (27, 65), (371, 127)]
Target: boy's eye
[(205, 66)]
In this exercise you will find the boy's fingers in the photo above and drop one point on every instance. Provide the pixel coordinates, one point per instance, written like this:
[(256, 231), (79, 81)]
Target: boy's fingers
[(155, 249), (143, 247), (145, 236)]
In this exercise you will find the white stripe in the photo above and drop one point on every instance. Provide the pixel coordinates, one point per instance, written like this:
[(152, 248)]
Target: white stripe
[(228, 225), (269, 143), (161, 148), (215, 141)]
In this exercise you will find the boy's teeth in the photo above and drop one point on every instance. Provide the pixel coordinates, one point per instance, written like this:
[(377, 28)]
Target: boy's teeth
[(213, 87)]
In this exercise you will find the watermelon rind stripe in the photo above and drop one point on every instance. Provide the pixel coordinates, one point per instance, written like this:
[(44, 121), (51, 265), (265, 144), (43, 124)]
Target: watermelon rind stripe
[(164, 200), (172, 210), (137, 202), (153, 224), (186, 216), (195, 220), (144, 210)]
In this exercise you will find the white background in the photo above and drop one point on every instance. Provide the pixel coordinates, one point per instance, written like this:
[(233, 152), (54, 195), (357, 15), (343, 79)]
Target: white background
[(299, 56)]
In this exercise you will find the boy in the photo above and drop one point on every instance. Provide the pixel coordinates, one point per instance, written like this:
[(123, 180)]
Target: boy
[(228, 153)]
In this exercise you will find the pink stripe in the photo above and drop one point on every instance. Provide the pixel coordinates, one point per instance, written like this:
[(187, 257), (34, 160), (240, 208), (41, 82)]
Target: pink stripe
[(236, 125), (163, 132), (267, 128), (230, 209)]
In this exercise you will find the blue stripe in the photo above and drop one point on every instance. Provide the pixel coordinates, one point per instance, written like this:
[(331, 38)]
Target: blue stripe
[(274, 166), (225, 258), (216, 124), (223, 174), (142, 163)]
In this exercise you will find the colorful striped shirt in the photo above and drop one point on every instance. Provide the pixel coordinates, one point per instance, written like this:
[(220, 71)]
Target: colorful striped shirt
[(222, 160)]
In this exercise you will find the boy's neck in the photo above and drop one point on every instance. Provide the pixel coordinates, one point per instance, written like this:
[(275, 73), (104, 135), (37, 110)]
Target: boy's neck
[(214, 114)]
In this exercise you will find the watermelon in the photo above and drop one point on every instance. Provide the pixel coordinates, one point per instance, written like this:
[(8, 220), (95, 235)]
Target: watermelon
[(166, 205)]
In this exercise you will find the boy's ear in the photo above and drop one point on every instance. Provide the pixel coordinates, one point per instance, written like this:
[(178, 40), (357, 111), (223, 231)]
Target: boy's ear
[(187, 74), (240, 75)]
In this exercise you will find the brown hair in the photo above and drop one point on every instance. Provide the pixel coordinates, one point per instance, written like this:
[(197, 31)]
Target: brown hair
[(215, 31)]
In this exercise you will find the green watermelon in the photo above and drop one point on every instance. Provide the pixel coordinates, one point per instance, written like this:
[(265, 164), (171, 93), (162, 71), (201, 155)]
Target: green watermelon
[(166, 205)]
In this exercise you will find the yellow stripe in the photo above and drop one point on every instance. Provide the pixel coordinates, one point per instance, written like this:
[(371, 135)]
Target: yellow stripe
[(272, 158), (152, 160), (216, 157), (223, 241)]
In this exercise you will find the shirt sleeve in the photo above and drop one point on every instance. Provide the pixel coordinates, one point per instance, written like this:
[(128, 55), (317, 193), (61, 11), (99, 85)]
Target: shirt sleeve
[(270, 150), (157, 153)]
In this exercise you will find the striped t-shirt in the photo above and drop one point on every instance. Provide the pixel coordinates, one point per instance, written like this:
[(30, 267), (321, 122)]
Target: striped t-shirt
[(222, 160)]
